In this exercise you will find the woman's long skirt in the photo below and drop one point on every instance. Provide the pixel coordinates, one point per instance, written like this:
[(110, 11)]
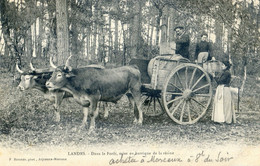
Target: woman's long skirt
[(223, 108)]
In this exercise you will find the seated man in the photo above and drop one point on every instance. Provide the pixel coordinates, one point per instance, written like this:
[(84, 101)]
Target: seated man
[(203, 50)]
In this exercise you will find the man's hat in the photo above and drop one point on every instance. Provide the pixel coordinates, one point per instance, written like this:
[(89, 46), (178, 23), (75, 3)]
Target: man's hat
[(227, 63), (204, 33), (178, 27)]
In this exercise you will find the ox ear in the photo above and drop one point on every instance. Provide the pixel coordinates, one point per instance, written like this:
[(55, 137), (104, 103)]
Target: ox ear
[(69, 75), (35, 77), (68, 68)]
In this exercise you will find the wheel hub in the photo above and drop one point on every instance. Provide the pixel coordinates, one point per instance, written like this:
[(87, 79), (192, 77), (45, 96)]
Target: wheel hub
[(187, 94)]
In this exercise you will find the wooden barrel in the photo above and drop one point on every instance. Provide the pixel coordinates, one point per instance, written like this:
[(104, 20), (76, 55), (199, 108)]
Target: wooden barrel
[(160, 67), (175, 57)]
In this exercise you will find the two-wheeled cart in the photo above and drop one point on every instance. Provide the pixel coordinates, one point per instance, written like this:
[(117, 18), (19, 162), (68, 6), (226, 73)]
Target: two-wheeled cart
[(174, 85)]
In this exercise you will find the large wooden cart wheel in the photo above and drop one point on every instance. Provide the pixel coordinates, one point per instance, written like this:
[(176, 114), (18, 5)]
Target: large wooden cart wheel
[(151, 103), (187, 93)]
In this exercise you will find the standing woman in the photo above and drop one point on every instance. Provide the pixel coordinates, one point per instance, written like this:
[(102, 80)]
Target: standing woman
[(223, 110)]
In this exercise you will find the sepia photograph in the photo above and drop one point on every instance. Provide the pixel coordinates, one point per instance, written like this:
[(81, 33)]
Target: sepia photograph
[(130, 82)]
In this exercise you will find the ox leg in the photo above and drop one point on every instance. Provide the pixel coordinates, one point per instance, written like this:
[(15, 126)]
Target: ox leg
[(58, 100), (137, 109), (85, 118), (93, 115), (57, 115), (136, 97), (56, 112), (102, 107), (104, 104)]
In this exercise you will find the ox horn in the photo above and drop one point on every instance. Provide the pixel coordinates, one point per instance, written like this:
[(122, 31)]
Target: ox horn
[(52, 64), (31, 65), (67, 63), (18, 69)]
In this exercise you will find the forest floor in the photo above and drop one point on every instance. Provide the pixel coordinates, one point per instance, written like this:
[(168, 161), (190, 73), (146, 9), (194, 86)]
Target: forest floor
[(26, 122)]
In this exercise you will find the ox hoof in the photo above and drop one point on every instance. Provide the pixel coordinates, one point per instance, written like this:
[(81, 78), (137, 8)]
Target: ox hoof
[(138, 122), (83, 126), (105, 116), (56, 120), (91, 130)]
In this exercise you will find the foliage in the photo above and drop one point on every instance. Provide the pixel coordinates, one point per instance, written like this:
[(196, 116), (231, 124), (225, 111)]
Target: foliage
[(105, 31)]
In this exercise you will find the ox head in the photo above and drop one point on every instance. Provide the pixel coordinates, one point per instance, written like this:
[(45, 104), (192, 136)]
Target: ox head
[(59, 78), (32, 78), (62, 74)]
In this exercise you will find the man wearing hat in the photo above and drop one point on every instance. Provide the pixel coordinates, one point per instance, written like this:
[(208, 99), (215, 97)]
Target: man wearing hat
[(203, 49), (182, 42)]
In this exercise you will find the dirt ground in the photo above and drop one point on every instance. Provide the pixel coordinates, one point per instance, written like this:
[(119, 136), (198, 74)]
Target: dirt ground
[(26, 121)]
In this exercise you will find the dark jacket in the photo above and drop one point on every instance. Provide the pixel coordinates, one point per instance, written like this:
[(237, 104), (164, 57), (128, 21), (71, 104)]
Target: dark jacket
[(203, 46), (224, 78), (182, 46)]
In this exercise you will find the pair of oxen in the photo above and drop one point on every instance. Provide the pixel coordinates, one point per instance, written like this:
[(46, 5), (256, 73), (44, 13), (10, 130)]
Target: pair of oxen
[(87, 85)]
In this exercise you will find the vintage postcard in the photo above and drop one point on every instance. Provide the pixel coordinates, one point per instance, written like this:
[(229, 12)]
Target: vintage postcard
[(129, 83)]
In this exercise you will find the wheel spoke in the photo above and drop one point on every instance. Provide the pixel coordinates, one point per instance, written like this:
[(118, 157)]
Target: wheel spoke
[(188, 108), (192, 76), (198, 102), (203, 95), (174, 93), (171, 101), (204, 86), (197, 108), (159, 102), (154, 105), (197, 81), (175, 86), (146, 97), (182, 111), (149, 103), (179, 79), (186, 76), (175, 108)]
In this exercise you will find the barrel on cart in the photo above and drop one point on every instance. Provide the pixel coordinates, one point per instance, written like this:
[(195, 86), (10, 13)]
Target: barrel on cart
[(174, 85)]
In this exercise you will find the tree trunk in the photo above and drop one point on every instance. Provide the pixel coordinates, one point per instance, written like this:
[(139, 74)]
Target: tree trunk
[(164, 26), (75, 43), (62, 31), (124, 45), (51, 48), (219, 33), (34, 40), (9, 43), (116, 44), (95, 35), (28, 40), (110, 45), (171, 25), (229, 48), (158, 20), (28, 43), (258, 28), (40, 30), (136, 32)]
